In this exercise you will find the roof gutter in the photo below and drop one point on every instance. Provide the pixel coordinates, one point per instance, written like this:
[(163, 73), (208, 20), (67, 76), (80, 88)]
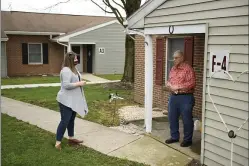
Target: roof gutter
[(57, 41), (134, 32), (32, 33), (61, 43), (79, 32)]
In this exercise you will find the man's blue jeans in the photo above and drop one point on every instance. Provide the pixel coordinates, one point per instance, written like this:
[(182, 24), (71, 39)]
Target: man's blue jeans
[(67, 122), (181, 105)]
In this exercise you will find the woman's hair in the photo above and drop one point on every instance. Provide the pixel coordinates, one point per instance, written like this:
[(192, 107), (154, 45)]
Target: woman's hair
[(69, 61)]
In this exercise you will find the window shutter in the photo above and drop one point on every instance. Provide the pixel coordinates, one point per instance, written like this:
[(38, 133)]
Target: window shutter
[(45, 53), (25, 56), (189, 49), (159, 61)]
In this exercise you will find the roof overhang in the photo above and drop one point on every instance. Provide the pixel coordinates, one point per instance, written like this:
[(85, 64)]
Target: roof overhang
[(177, 29), (4, 39), (65, 38), (32, 33), (136, 20)]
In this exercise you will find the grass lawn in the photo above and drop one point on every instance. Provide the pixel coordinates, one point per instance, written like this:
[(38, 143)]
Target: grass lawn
[(30, 80), (27, 145), (111, 76), (97, 96)]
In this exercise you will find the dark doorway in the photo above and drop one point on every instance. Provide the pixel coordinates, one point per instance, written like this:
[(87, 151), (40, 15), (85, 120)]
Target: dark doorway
[(76, 49), (89, 58)]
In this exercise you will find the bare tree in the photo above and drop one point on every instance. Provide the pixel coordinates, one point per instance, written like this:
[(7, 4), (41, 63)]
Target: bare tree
[(115, 7), (129, 6)]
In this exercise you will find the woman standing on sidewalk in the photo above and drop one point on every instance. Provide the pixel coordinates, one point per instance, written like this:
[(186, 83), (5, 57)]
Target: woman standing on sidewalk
[(71, 99)]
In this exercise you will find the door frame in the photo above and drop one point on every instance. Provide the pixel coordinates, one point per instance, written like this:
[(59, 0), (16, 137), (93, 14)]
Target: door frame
[(179, 30), (92, 51)]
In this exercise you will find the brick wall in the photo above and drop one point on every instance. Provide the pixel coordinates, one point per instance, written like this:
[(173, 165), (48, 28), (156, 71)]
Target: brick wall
[(139, 70), (160, 95), (14, 56)]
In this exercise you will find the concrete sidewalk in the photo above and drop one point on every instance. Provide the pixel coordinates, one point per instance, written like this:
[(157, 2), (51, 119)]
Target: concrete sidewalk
[(109, 141), (92, 78), (86, 76), (48, 85)]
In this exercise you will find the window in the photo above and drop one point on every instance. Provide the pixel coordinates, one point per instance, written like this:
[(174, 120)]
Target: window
[(173, 44), (35, 53)]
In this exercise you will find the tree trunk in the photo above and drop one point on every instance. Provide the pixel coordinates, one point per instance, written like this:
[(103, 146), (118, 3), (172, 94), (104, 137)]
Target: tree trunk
[(130, 7), (128, 75)]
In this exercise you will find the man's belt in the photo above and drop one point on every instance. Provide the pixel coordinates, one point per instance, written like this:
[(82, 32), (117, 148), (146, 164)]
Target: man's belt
[(176, 94)]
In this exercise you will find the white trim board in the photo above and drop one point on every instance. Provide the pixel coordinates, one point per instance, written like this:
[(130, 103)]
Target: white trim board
[(67, 37), (32, 33), (4, 39), (143, 11), (204, 94), (179, 29), (82, 42)]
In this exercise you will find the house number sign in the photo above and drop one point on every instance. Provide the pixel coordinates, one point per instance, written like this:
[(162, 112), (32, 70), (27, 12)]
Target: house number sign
[(101, 50), (219, 60)]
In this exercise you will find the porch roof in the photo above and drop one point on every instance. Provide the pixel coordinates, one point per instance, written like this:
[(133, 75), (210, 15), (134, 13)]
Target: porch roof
[(136, 20)]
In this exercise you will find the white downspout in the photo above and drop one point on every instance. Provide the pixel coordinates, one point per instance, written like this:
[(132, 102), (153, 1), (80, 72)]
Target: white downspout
[(61, 43), (68, 46)]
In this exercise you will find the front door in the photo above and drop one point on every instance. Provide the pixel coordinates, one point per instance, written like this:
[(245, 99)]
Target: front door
[(89, 59), (77, 49)]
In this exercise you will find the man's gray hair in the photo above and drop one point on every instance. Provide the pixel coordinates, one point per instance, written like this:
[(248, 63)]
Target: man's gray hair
[(179, 52)]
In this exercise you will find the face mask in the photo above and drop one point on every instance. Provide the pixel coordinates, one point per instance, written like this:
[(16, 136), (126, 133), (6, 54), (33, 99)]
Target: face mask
[(75, 61)]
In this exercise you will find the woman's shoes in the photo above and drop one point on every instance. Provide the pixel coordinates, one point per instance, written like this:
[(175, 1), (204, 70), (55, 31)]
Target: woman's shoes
[(58, 146), (71, 142), (74, 142)]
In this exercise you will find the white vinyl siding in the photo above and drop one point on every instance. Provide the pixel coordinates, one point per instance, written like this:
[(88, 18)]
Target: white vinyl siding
[(228, 30), (3, 60), (112, 39)]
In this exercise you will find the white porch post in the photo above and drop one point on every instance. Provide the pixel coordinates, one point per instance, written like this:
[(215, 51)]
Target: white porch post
[(148, 82)]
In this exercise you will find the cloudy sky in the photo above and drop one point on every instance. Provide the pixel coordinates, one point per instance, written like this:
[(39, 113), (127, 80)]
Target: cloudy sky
[(76, 7)]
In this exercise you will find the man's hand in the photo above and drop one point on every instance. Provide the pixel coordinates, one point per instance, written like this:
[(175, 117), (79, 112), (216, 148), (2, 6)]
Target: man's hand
[(168, 86), (172, 88), (183, 89)]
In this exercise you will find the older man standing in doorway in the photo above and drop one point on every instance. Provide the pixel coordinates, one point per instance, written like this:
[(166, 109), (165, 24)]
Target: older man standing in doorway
[(181, 84)]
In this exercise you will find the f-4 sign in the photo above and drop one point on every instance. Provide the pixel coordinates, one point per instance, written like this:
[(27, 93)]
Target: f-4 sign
[(219, 60)]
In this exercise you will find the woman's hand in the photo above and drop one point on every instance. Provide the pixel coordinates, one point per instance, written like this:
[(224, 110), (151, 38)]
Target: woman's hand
[(81, 83)]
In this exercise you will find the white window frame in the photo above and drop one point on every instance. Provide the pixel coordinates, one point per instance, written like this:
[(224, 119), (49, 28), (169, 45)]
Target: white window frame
[(36, 63), (167, 53)]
